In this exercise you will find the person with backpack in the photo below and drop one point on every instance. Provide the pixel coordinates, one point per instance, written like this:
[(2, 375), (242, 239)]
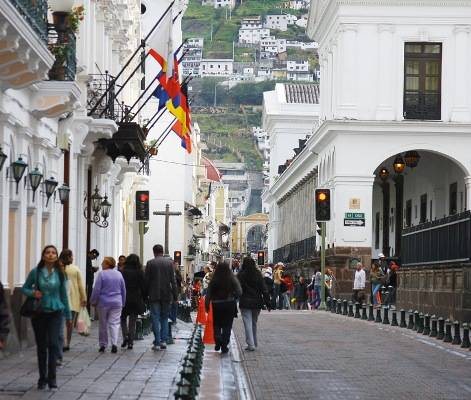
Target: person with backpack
[(47, 283)]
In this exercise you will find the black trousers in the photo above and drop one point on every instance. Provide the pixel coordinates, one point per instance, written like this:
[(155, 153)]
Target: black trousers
[(89, 289), (223, 317), (46, 329), (129, 331)]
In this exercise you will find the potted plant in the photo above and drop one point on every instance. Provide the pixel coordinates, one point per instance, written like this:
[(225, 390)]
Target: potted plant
[(75, 17), (57, 71), (152, 148)]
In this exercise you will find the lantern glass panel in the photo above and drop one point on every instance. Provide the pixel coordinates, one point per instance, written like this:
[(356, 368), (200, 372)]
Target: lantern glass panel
[(96, 201), (35, 178), (50, 186), (19, 167), (399, 165), (105, 208), (64, 191)]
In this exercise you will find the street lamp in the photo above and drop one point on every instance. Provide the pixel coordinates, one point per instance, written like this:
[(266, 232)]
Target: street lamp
[(98, 205), (383, 173), (3, 158), (49, 188), (35, 178), (18, 168), (412, 158), (64, 192), (399, 165)]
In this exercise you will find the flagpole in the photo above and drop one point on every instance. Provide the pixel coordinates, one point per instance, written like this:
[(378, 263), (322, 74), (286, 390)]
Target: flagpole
[(161, 111), (138, 99), (114, 80)]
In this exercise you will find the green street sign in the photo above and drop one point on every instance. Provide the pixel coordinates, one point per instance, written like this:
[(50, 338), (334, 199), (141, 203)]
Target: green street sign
[(355, 215)]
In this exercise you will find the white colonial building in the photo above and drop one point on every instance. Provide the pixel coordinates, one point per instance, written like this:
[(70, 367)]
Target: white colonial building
[(278, 21), (270, 47), (219, 3), (392, 144), (54, 146), (216, 67)]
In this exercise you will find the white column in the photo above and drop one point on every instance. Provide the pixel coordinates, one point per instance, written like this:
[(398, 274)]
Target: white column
[(460, 110), (467, 182), (348, 72), (4, 208), (385, 82)]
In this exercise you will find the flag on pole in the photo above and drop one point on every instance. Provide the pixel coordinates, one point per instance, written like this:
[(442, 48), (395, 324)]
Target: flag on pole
[(161, 44)]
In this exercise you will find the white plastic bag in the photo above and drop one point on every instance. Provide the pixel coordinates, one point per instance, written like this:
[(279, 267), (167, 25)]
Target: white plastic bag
[(83, 322)]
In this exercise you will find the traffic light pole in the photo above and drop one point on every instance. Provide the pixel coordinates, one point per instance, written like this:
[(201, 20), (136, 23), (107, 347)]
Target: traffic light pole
[(322, 305), (141, 241)]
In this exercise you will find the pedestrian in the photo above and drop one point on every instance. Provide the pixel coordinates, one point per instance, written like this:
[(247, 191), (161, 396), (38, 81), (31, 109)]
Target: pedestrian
[(383, 263), (208, 273), (359, 284), (392, 277), (329, 283), (287, 290), (278, 274), (133, 275), (75, 290), (254, 297), (376, 279), (267, 273), (4, 319), (47, 283), (91, 269), (161, 289), (223, 290), (300, 293), (109, 296), (121, 262)]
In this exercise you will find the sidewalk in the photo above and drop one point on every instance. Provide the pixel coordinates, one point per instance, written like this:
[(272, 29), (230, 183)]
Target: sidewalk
[(88, 375)]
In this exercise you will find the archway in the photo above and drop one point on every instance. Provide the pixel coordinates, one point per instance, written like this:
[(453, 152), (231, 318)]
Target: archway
[(415, 192), (255, 238)]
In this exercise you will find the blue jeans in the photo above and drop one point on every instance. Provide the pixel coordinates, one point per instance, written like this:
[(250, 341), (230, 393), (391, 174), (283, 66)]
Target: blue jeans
[(317, 301), (277, 299), (159, 312)]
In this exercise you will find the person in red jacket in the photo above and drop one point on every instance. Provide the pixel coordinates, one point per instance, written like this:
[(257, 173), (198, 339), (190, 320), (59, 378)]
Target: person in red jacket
[(288, 285)]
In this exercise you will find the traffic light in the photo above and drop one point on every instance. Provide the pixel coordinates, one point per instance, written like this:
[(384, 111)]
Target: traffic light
[(177, 257), (322, 205), (319, 228), (261, 257), (142, 205)]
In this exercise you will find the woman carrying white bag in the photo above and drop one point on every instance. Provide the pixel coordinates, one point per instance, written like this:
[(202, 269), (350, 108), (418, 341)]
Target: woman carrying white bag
[(76, 292), (83, 322)]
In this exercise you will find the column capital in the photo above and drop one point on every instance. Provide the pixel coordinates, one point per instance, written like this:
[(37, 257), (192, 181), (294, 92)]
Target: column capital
[(386, 28), (461, 29)]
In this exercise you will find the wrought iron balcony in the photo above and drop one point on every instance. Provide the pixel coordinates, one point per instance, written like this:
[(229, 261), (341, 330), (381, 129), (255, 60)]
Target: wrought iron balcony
[(63, 46), (302, 250), (35, 13), (446, 240)]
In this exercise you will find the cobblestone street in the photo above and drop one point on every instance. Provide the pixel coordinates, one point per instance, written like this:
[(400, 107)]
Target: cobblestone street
[(319, 355)]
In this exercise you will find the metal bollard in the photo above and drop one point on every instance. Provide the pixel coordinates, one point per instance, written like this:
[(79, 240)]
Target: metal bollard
[(386, 315), (333, 307), (420, 328), (465, 343), (426, 324), (457, 336), (394, 318), (433, 332), (416, 320), (350, 309), (339, 306), (402, 324), (371, 316), (410, 325), (357, 310), (378, 315), (345, 307), (447, 338), (441, 329), (363, 312)]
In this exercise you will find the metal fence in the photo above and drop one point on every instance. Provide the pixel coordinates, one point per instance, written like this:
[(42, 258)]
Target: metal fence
[(440, 241), (301, 250), (35, 13)]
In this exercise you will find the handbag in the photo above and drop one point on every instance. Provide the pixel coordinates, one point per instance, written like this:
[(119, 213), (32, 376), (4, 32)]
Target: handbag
[(31, 306)]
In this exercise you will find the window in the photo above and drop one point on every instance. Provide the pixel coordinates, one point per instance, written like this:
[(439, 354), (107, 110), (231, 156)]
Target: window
[(453, 209), (408, 212), (422, 80), (423, 208)]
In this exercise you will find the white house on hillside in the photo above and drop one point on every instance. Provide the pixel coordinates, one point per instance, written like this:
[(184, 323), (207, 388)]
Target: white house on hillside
[(278, 21), (217, 67)]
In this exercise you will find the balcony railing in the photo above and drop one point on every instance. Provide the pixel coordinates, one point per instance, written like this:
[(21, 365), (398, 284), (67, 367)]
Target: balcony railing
[(292, 252), (63, 46), (35, 13), (447, 240)]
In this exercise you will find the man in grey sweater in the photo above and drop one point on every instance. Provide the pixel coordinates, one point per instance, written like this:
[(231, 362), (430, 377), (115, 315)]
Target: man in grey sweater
[(161, 292)]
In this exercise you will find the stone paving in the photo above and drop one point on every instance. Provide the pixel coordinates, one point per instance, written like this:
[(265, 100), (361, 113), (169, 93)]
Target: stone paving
[(320, 355), (88, 375)]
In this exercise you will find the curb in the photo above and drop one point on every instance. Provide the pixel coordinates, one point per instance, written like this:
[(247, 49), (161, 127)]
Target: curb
[(244, 384)]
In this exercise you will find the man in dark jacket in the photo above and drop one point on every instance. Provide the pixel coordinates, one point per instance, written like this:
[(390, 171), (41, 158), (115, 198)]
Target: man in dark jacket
[(4, 319), (161, 291)]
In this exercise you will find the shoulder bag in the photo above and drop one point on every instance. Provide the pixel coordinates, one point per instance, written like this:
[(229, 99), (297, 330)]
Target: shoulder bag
[(32, 306)]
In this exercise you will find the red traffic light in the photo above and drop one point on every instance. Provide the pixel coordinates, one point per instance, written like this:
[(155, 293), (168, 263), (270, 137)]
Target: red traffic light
[(143, 197)]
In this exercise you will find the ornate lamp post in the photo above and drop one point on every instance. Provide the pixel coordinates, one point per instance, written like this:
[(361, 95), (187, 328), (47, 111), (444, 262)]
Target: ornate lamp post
[(98, 204), (18, 169), (35, 178), (412, 158), (64, 192), (49, 188)]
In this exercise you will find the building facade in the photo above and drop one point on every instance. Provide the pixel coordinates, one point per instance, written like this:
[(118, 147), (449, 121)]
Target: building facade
[(216, 67)]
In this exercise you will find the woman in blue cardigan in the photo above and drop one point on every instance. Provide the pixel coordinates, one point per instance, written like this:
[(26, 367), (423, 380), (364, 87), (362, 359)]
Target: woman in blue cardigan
[(47, 283)]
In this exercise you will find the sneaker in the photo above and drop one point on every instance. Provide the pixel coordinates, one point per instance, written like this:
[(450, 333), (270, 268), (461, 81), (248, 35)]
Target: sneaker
[(163, 346), (114, 349), (250, 348), (101, 349), (155, 347), (130, 346), (59, 362), (42, 384), (125, 343), (52, 384), (217, 347)]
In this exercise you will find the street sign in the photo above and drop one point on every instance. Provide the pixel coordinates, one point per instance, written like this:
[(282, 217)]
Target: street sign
[(354, 215), (353, 222)]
